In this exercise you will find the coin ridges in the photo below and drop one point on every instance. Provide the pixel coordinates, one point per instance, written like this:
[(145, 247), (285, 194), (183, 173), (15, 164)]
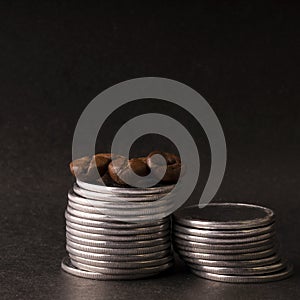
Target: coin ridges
[(229, 242)]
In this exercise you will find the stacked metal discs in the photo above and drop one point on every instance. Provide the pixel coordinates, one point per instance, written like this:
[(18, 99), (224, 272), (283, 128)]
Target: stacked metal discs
[(117, 233), (229, 242)]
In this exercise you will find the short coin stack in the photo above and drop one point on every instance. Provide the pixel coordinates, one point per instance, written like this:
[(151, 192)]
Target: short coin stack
[(229, 242), (117, 233)]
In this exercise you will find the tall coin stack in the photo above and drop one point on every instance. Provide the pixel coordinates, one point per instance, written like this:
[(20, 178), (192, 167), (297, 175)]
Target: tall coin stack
[(115, 233), (229, 242)]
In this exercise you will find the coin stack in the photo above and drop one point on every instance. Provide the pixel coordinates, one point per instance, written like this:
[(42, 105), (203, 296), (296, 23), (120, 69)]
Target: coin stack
[(229, 242), (115, 233)]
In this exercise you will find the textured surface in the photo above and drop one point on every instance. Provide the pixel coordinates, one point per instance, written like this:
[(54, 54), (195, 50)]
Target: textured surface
[(244, 59)]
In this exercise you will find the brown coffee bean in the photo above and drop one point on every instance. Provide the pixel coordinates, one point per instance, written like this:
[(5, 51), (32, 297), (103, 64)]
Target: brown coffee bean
[(80, 166), (173, 166), (122, 167), (88, 168), (98, 165)]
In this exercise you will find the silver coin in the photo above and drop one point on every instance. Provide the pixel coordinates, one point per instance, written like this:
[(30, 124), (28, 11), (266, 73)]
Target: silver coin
[(119, 238), (117, 197), (114, 224), (226, 257), (240, 271), (225, 216), (111, 244), (124, 264), (285, 273), (117, 216), (113, 271), (235, 264), (69, 268), (182, 242), (224, 233), (119, 258), (130, 231), (199, 239), (227, 251), (117, 251), (116, 190), (125, 210), (118, 204)]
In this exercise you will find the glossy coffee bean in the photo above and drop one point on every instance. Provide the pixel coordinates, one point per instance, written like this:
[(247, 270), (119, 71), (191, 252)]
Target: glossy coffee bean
[(123, 166), (80, 166), (173, 166)]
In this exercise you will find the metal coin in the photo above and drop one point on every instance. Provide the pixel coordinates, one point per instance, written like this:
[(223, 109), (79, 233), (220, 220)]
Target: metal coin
[(227, 251), (117, 197), (240, 271), (199, 239), (69, 268), (117, 251), (117, 203), (235, 264), (130, 231), (116, 190), (113, 271), (224, 233), (117, 216), (119, 238), (242, 256), (225, 216), (125, 210), (114, 224), (124, 264), (119, 258), (111, 244), (186, 243), (246, 278)]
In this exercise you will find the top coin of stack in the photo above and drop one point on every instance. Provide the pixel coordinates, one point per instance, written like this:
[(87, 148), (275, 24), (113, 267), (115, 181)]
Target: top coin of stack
[(229, 242)]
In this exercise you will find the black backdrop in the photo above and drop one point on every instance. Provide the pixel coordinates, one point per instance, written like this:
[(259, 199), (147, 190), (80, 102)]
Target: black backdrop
[(57, 56)]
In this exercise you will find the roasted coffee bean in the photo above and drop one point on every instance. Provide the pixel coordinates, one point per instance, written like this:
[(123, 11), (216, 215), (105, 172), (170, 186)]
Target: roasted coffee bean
[(123, 166), (108, 181), (98, 165), (173, 166), (80, 166)]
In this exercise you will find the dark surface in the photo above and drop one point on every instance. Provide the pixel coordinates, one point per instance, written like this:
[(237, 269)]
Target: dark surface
[(55, 58)]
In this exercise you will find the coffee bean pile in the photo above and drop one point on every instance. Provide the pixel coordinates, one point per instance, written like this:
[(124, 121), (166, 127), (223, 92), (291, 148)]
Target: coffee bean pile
[(89, 168)]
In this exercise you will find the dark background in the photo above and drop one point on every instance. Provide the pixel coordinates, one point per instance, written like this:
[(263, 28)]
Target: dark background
[(56, 57)]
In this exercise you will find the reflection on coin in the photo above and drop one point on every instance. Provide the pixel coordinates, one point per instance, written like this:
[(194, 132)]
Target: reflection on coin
[(126, 191), (222, 241), (113, 271), (236, 264), (122, 264), (105, 237), (69, 268), (240, 271), (242, 256), (224, 233), (187, 243), (112, 244), (116, 251), (117, 197), (112, 257), (131, 231), (139, 217), (220, 252), (114, 224), (224, 216), (117, 204), (246, 278), (142, 210)]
